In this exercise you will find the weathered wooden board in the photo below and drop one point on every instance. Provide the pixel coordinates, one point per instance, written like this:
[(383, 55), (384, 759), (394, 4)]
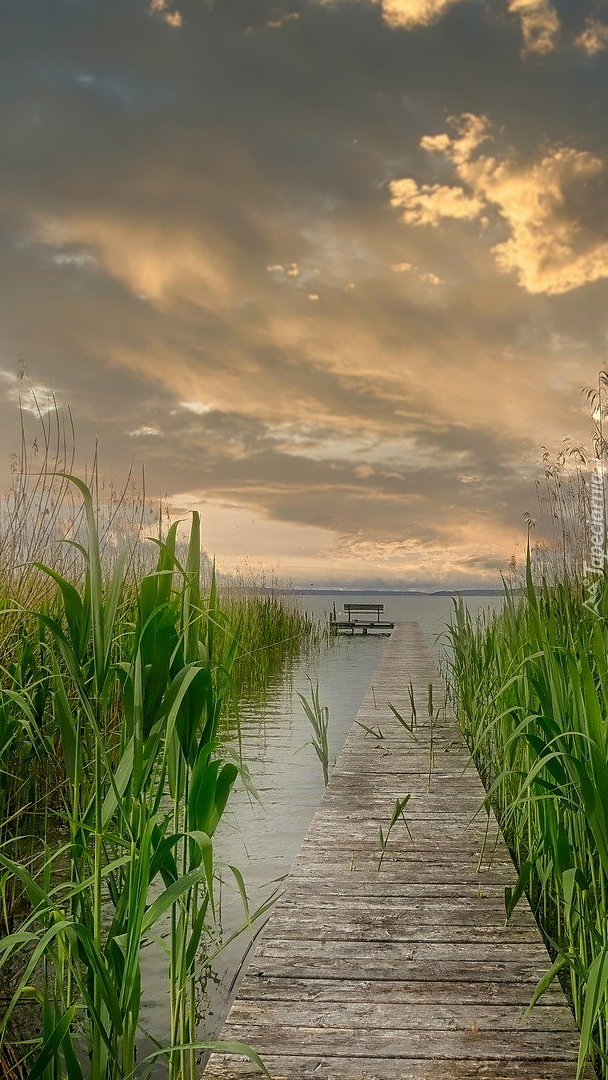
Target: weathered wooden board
[(391, 1016), (348, 1066), (405, 971), (415, 968), (431, 991)]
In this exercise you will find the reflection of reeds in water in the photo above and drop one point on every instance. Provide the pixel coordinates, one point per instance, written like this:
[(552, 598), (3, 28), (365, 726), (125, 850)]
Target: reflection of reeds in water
[(116, 675)]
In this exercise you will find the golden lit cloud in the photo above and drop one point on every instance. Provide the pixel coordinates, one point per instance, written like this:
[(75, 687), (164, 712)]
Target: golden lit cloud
[(548, 248), (594, 38), (275, 24), (471, 132), (423, 275), (412, 13), (429, 204), (540, 25), (154, 261), (278, 24), (161, 8), (290, 269), (542, 204)]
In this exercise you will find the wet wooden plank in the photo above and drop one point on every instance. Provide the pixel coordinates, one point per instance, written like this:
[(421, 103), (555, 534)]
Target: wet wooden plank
[(403, 971)]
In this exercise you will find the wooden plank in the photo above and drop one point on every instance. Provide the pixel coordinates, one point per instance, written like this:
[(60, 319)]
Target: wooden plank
[(349, 1067), (391, 991), (363, 926), (407, 971), (390, 1016), (373, 953), (369, 1042), (412, 967)]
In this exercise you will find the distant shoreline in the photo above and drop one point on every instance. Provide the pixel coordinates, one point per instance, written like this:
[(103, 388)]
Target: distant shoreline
[(340, 590)]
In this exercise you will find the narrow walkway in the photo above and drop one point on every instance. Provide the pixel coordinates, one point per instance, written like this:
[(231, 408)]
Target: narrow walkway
[(407, 971)]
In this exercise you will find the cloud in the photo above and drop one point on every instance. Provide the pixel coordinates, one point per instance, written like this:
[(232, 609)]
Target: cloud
[(280, 269), (153, 259), (540, 25), (432, 279), (278, 24), (552, 245), (471, 132), (78, 259), (34, 398), (413, 13), (549, 248), (144, 431), (161, 8), (431, 203), (594, 38), (199, 408), (423, 275), (275, 24)]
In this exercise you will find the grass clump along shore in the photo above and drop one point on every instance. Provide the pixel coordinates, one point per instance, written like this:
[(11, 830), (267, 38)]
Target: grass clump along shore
[(530, 688), (114, 774)]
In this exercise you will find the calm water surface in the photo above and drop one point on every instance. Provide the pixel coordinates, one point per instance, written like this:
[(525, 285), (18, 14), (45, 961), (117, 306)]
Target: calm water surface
[(261, 836)]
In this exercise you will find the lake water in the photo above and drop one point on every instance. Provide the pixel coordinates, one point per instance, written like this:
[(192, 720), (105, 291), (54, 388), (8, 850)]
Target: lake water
[(261, 836)]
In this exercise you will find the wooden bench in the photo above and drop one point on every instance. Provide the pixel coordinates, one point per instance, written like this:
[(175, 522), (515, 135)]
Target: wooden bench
[(361, 609), (364, 624)]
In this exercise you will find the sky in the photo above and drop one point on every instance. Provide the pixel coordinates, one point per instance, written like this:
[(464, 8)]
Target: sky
[(335, 272)]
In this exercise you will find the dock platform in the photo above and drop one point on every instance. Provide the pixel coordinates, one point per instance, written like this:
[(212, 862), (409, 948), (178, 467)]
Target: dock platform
[(348, 625), (387, 957), (353, 626)]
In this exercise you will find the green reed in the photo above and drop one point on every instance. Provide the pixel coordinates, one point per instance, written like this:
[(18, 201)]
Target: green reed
[(113, 782), (318, 718), (530, 686)]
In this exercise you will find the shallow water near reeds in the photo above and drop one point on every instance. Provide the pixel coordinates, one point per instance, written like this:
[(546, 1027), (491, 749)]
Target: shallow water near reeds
[(262, 836)]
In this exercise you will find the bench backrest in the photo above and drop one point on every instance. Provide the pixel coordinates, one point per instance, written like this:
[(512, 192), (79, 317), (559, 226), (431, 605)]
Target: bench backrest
[(361, 608)]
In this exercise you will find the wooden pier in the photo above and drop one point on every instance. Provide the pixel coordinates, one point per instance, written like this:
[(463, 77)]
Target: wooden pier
[(404, 971)]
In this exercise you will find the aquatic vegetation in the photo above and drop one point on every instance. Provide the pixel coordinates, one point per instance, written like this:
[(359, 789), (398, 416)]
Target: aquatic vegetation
[(398, 814), (318, 716), (530, 687), (112, 783), (85, 886)]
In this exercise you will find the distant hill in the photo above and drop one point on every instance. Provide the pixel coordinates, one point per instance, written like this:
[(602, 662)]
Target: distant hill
[(339, 590)]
